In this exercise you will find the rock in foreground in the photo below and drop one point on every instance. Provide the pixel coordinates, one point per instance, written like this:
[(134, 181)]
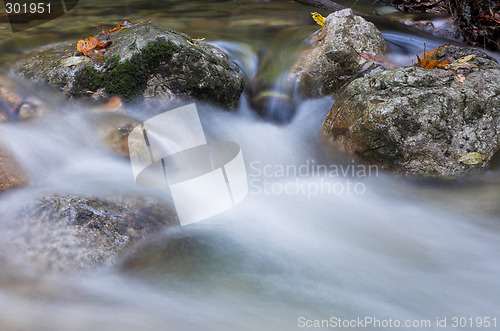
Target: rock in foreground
[(11, 173), (143, 61), (422, 121), (334, 58), (64, 233)]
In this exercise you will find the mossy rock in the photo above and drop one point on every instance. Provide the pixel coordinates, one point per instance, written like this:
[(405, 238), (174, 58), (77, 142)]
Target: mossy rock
[(145, 61)]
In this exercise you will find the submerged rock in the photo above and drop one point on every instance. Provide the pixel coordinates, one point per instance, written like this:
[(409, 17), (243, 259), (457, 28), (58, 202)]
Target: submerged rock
[(422, 121), (114, 129), (16, 103), (143, 61), (334, 58), (11, 172), (63, 233)]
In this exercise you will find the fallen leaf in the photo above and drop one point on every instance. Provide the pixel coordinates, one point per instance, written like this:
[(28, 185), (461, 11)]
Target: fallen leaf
[(461, 65), (472, 158), (103, 44), (429, 64), (445, 61), (124, 25), (426, 62), (96, 94), (318, 18), (433, 52), (465, 58), (87, 45)]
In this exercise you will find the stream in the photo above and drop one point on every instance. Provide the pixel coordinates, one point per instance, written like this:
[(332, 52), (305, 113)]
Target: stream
[(375, 245)]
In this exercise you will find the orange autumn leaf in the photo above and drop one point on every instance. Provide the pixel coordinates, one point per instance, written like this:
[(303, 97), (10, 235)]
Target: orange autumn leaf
[(433, 52), (427, 62), (92, 45), (118, 27), (124, 25), (85, 46), (103, 44)]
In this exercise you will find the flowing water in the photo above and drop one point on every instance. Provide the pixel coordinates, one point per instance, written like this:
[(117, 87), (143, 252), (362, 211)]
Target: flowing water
[(380, 246)]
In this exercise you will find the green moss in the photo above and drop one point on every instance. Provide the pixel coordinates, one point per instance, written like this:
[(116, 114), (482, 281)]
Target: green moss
[(86, 79), (112, 62), (127, 79)]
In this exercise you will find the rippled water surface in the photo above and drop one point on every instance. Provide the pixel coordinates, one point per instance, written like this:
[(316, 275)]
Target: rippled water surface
[(403, 248)]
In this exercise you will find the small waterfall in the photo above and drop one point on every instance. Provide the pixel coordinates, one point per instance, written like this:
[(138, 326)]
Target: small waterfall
[(266, 66)]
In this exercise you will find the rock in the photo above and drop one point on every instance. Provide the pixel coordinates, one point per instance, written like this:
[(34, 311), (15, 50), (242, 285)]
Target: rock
[(143, 61), (17, 103), (334, 58), (422, 121), (114, 129), (63, 233), (11, 172)]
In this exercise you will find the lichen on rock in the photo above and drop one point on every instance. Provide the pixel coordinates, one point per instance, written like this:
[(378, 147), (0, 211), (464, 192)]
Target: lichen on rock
[(422, 121)]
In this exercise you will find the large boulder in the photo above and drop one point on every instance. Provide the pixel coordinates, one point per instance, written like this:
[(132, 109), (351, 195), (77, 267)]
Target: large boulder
[(64, 233), (422, 121), (145, 61), (11, 172), (335, 55)]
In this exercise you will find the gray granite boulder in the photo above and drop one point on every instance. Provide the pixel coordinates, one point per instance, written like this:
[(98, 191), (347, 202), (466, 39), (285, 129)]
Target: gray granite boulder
[(420, 121), (334, 57)]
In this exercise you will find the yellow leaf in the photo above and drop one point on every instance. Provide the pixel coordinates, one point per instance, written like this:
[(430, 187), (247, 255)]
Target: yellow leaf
[(318, 18), (461, 65), (465, 58), (472, 158)]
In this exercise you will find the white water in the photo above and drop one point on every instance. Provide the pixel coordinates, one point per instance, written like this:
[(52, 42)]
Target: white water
[(391, 252)]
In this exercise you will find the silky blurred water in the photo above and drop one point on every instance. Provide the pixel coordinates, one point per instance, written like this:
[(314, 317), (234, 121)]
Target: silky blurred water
[(403, 248)]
